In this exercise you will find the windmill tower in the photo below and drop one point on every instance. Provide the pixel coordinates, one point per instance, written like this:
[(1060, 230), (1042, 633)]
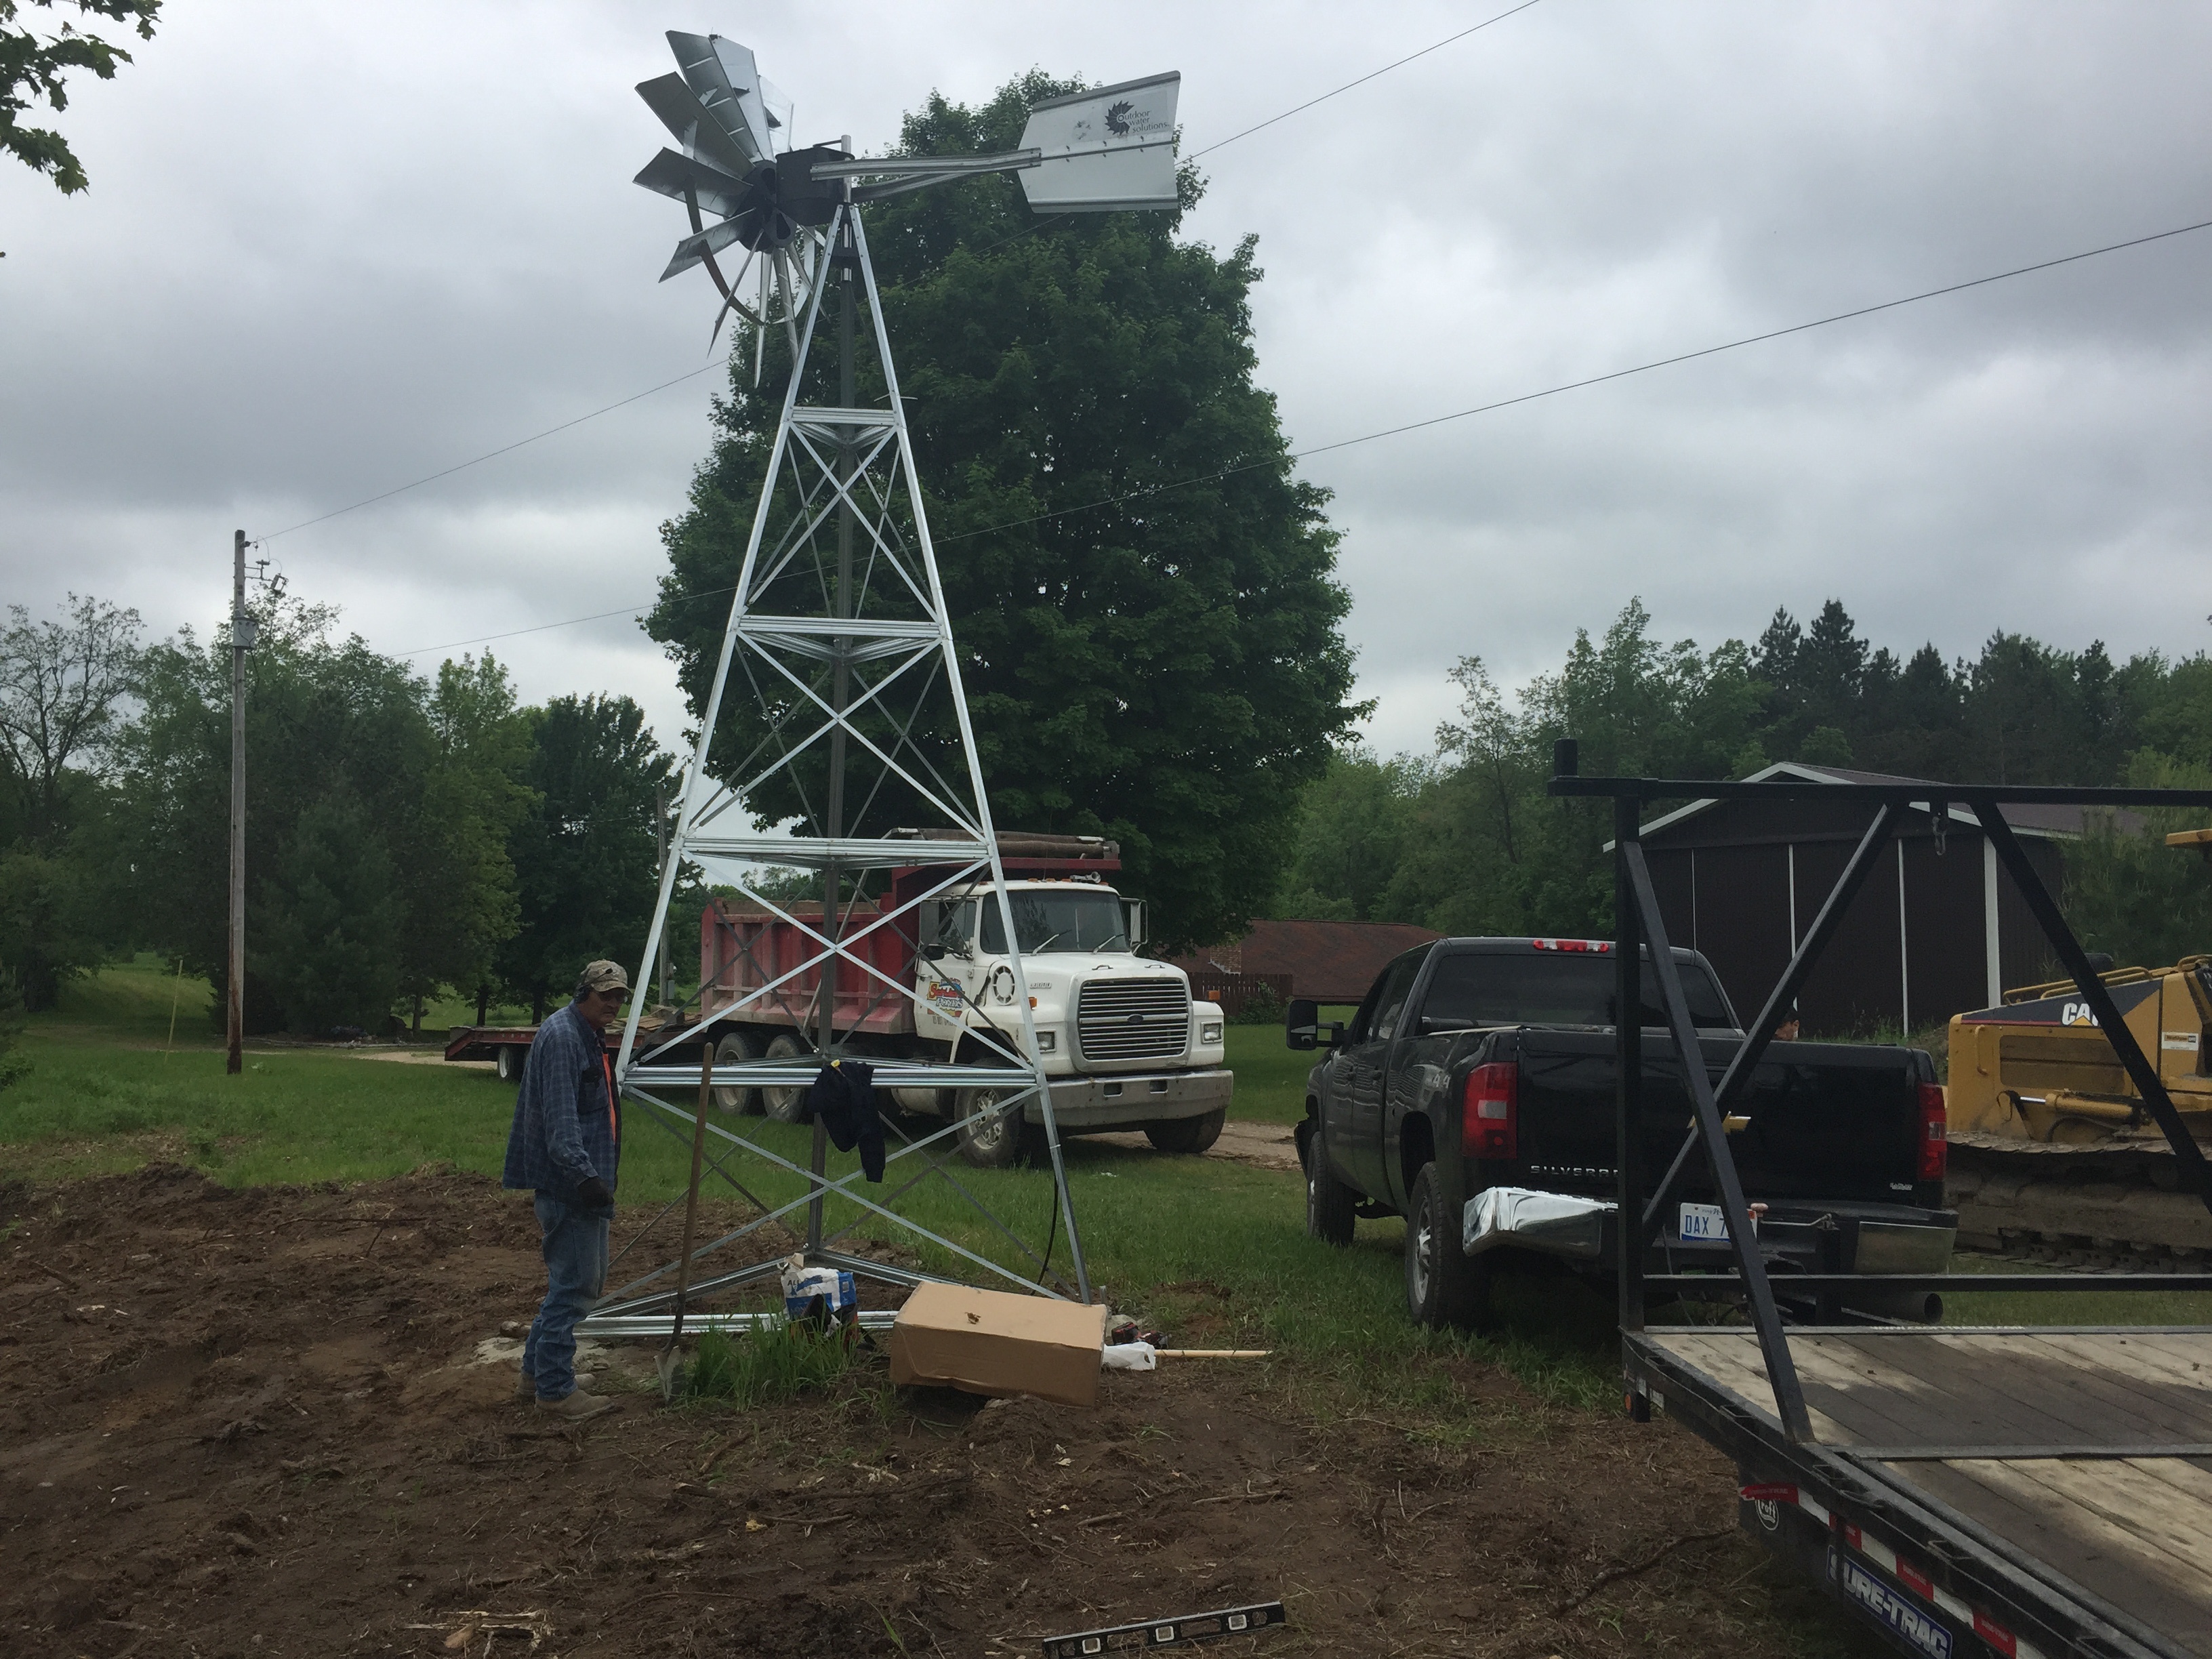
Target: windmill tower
[(839, 635)]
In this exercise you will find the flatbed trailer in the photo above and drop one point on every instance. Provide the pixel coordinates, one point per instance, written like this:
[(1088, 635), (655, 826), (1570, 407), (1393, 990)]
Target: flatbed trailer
[(2029, 1491), (2033, 1491), (506, 1046)]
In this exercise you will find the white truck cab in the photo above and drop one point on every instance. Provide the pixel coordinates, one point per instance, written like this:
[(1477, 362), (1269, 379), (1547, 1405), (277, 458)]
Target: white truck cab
[(1117, 1033)]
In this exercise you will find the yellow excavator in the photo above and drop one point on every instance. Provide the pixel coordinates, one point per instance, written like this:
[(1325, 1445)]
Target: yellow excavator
[(2052, 1149)]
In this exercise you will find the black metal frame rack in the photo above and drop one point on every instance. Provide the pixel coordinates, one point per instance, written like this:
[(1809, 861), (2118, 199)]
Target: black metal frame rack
[(1931, 1578)]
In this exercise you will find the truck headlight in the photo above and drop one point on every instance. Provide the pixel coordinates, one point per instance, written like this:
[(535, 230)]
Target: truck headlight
[(1048, 1042), (1210, 1032)]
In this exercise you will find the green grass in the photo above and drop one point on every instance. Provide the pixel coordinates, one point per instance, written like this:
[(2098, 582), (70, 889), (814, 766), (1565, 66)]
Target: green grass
[(780, 1360), (132, 1002), (1271, 1079), (1212, 1251), (1271, 1076), (2067, 1307)]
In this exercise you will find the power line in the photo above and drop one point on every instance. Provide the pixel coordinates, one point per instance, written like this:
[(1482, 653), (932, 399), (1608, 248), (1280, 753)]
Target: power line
[(1456, 414), (1026, 230), (491, 454), (1032, 229), (571, 622), (1362, 80)]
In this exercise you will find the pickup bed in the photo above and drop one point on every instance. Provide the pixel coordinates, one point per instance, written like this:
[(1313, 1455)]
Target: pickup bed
[(1474, 1093)]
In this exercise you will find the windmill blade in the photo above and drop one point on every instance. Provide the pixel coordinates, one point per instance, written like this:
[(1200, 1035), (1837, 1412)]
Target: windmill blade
[(694, 248), (673, 174), (1104, 150), (723, 76), (684, 115), (744, 79), (780, 110)]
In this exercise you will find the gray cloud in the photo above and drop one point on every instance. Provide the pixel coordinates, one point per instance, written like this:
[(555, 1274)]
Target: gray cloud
[(327, 255)]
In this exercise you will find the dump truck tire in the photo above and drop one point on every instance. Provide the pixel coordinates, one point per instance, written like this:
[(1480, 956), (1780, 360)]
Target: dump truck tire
[(734, 1049), (1187, 1134), (995, 1140), (786, 1105)]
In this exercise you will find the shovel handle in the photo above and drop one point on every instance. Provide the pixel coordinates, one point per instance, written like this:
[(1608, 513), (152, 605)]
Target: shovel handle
[(691, 1197)]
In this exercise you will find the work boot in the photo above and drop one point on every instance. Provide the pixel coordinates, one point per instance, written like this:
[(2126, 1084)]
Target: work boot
[(525, 1385), (576, 1405)]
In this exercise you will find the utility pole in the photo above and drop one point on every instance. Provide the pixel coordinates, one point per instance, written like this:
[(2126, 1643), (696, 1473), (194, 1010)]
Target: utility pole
[(242, 641)]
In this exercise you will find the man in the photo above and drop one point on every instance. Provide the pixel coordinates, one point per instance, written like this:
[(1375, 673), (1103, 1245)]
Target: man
[(566, 1146)]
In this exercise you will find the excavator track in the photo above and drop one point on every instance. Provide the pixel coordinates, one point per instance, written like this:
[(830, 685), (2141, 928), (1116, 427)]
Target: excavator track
[(2117, 1203)]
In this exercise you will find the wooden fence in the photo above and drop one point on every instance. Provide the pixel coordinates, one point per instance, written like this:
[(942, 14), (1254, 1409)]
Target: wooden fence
[(1236, 991)]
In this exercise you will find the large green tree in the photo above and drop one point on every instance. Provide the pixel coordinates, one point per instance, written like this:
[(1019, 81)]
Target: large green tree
[(1465, 840), (2130, 894), (1141, 589), (330, 913), (35, 66), (584, 852), (474, 799), (343, 742), (65, 688)]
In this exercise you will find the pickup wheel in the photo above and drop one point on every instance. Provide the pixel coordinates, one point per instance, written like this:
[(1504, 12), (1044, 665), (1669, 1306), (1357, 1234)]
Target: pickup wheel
[(1329, 1202), (1444, 1285), (1185, 1134)]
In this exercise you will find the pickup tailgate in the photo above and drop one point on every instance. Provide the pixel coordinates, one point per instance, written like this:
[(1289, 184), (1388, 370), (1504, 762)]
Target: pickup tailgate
[(1831, 1122)]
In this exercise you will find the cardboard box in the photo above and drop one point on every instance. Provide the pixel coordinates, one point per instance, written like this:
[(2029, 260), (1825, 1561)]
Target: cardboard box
[(997, 1343)]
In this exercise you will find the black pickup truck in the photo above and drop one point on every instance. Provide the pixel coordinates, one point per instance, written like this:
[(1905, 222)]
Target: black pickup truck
[(1474, 1093)]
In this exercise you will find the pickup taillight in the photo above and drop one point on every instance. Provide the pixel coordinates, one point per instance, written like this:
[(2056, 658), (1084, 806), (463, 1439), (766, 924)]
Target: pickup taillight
[(1489, 1113), (1934, 1126)]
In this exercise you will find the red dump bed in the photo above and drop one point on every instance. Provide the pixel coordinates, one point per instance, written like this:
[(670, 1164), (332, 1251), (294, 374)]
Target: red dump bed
[(743, 948)]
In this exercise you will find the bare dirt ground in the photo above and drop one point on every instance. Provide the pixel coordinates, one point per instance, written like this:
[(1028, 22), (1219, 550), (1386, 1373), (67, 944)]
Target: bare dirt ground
[(252, 1423), (1262, 1145)]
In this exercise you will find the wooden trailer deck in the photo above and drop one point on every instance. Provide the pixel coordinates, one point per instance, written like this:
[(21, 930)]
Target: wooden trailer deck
[(2080, 1458)]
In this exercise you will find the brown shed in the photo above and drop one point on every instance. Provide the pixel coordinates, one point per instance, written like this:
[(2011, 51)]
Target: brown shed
[(1939, 927), (1328, 960)]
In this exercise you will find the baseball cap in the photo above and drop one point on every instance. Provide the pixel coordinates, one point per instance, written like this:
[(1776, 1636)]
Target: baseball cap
[(602, 976)]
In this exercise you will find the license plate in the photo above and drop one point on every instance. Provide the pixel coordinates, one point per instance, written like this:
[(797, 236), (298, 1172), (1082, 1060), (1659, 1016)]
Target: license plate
[(1703, 1222)]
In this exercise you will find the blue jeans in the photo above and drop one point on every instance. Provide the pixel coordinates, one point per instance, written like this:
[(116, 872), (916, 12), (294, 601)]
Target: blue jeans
[(574, 1242)]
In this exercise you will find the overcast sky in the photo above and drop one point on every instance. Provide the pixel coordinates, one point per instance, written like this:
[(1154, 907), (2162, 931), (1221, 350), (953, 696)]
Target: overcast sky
[(329, 248)]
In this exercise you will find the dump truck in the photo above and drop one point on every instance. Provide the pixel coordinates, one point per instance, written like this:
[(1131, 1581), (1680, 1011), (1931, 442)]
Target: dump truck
[(1120, 1037), (1123, 1043)]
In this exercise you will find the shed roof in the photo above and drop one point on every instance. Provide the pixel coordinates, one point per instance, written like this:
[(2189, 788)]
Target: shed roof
[(1327, 961), (2048, 822)]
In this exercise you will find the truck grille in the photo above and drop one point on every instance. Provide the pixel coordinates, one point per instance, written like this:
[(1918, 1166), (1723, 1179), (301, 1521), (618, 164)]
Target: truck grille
[(1134, 1018)]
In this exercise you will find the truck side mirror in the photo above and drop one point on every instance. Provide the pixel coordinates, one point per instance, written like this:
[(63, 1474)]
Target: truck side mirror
[(1133, 921), (1301, 1023), (933, 951)]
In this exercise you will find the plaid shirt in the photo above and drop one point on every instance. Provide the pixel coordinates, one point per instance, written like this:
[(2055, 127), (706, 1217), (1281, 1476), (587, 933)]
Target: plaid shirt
[(567, 1118)]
